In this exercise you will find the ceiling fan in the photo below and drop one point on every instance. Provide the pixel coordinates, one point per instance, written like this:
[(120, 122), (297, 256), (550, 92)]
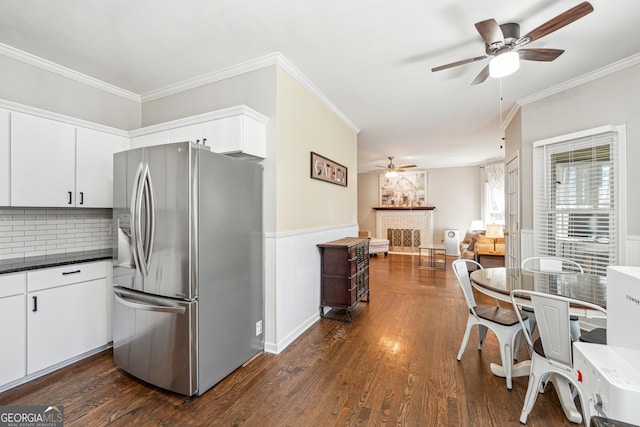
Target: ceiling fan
[(503, 43), (391, 169)]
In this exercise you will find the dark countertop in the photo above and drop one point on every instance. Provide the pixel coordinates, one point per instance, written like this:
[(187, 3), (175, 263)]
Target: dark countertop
[(15, 265)]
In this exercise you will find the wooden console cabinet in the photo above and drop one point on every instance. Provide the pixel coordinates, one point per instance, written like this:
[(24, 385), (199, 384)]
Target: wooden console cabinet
[(344, 273)]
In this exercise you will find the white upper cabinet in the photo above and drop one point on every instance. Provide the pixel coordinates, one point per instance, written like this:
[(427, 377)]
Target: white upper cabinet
[(94, 167), (236, 131), (4, 158), (186, 133), (240, 136), (146, 140), (42, 162), (55, 164)]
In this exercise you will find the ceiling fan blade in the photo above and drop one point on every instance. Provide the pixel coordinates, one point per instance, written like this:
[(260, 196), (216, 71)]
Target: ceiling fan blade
[(556, 23), (540, 54), (455, 64), (490, 32), (482, 76), (406, 166)]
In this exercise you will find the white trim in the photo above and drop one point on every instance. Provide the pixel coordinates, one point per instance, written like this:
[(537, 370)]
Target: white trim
[(201, 118), (307, 231), (622, 193), (20, 108), (576, 135), (212, 77), (586, 78), (272, 59), (52, 67), (307, 84), (277, 347), (510, 115)]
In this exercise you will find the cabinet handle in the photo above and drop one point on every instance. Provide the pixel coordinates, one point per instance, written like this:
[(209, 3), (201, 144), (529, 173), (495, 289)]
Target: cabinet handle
[(64, 273), (81, 197), (35, 303), (70, 195)]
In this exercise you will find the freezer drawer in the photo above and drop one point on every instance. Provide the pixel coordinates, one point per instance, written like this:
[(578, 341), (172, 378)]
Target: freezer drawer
[(154, 339)]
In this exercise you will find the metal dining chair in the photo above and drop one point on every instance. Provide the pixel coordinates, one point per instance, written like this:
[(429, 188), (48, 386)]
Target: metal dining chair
[(551, 353), (502, 321), (549, 264)]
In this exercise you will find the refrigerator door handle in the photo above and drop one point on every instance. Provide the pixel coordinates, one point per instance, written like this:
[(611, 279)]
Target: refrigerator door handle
[(150, 218), (149, 307), (134, 215), (138, 243)]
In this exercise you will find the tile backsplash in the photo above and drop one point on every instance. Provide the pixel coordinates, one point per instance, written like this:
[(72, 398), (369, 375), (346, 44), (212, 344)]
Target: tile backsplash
[(28, 232)]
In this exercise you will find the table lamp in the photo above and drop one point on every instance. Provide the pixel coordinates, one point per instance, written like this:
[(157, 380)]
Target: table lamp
[(494, 231)]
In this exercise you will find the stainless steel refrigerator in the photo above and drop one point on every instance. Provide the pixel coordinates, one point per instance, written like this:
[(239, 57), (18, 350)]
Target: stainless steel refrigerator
[(187, 265)]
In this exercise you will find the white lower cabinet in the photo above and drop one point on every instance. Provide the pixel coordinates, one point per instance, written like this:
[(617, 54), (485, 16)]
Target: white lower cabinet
[(13, 327), (66, 313), (64, 322)]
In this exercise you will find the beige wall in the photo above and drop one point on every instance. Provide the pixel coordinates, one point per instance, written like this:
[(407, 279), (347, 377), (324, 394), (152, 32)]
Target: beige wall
[(368, 189), (457, 195), (304, 125), (32, 86), (613, 99)]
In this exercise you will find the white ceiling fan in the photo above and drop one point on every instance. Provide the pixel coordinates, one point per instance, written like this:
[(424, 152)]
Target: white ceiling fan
[(391, 169)]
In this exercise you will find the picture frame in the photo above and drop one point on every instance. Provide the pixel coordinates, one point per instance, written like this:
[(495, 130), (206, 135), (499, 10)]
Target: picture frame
[(406, 190), (327, 170)]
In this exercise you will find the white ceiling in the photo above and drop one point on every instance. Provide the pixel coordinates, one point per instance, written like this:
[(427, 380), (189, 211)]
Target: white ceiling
[(371, 58)]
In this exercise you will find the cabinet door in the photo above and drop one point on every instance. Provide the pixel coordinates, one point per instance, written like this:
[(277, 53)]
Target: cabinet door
[(237, 135), (94, 167), (67, 321), (13, 333), (4, 158), (42, 162)]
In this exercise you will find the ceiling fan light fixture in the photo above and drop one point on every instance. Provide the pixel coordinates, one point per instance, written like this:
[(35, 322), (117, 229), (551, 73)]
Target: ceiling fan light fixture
[(391, 174), (504, 64)]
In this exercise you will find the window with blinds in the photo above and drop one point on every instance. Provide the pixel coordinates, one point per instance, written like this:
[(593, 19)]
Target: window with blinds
[(576, 199)]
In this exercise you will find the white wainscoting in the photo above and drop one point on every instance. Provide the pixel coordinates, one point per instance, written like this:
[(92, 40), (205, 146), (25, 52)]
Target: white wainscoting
[(292, 282), (632, 252)]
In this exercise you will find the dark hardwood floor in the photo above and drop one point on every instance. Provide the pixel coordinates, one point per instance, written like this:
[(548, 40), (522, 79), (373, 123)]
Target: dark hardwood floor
[(394, 365)]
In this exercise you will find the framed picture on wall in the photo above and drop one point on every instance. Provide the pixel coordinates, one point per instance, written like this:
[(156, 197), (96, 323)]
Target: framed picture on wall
[(408, 189)]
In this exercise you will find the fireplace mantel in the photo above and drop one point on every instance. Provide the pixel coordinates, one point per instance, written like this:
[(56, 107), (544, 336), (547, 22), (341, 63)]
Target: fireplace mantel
[(415, 208), (415, 218)]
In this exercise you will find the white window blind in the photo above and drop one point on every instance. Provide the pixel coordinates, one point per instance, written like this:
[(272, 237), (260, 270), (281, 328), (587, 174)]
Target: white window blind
[(576, 200)]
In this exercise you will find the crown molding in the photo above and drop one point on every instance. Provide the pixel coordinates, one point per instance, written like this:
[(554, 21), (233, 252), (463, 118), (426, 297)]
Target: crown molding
[(26, 109), (586, 78), (27, 58), (240, 110), (269, 60), (215, 76), (510, 115)]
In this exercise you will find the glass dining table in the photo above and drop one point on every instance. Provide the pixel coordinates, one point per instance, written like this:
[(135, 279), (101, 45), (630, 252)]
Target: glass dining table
[(499, 282)]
